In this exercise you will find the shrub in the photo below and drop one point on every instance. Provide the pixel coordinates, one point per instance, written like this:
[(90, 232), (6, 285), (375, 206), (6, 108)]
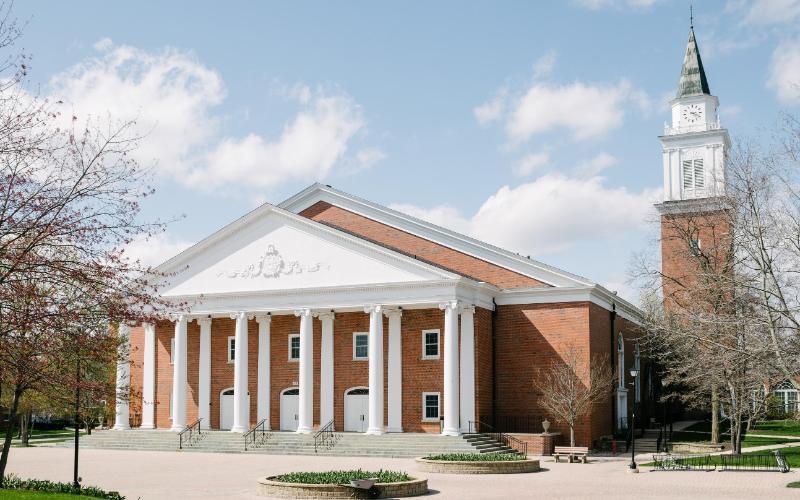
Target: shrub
[(342, 477), (12, 482), (477, 457)]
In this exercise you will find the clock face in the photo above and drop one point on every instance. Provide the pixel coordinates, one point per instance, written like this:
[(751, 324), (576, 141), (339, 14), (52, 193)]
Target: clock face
[(692, 113)]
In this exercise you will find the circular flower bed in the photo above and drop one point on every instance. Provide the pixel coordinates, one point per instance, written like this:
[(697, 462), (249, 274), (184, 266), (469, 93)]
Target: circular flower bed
[(341, 484), (478, 463)]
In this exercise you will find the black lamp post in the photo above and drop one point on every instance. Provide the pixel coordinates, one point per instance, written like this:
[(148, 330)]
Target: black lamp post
[(634, 374)]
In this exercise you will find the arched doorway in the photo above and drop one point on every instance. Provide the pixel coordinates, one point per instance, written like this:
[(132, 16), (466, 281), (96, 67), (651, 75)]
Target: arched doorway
[(356, 409), (290, 404)]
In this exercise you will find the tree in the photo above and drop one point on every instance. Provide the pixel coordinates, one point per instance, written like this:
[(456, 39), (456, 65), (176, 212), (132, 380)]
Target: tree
[(569, 389)]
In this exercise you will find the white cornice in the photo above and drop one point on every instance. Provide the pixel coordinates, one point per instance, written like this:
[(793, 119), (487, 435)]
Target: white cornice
[(693, 206), (595, 294), (470, 246)]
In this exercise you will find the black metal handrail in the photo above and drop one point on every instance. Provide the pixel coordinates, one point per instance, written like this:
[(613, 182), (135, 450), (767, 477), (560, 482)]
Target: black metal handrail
[(190, 434), (478, 427), (325, 437), (766, 462), (257, 436)]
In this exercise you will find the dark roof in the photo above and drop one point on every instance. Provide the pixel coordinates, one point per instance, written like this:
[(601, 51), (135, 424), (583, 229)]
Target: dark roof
[(693, 77)]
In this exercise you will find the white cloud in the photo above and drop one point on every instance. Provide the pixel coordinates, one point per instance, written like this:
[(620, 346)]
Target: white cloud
[(585, 110), (551, 214), (544, 65), (594, 166), (172, 96), (784, 74), (764, 12), (530, 163), (367, 157), (493, 109), (156, 250)]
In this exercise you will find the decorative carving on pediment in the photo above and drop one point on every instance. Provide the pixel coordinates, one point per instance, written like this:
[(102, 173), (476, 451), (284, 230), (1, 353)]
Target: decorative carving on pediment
[(271, 264)]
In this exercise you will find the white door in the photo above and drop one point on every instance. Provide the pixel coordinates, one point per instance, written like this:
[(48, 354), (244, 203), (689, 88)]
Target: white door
[(226, 409), (356, 410), (290, 403)]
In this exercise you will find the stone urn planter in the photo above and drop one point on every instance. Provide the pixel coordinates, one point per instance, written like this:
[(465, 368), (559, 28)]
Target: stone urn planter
[(546, 426), (478, 467), (268, 487)]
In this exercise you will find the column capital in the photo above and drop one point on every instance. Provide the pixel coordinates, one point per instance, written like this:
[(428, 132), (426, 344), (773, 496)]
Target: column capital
[(451, 304), (327, 315), (304, 312), (203, 321), (468, 308), (263, 319), (177, 317), (239, 315), (377, 308), (392, 312)]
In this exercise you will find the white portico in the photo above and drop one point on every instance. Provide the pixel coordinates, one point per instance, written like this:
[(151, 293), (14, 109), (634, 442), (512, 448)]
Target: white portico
[(272, 264)]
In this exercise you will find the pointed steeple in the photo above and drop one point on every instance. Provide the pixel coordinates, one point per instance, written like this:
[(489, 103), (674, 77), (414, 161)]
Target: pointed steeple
[(693, 76)]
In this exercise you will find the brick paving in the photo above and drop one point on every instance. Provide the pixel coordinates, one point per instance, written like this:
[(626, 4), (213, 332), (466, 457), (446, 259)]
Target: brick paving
[(155, 475)]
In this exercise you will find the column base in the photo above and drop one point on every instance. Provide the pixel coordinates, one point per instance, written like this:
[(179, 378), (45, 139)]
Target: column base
[(394, 429), (374, 432), (147, 426), (177, 428), (121, 427), (304, 430), (239, 428), (451, 432)]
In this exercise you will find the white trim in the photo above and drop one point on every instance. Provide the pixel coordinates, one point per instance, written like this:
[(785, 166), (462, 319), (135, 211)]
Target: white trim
[(289, 354), (438, 406), (364, 358), (595, 294), (231, 359), (172, 351), (470, 246), (438, 333)]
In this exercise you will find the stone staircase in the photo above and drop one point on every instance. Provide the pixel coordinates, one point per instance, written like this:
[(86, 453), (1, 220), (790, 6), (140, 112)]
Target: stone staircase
[(484, 443), (404, 445), (647, 443)]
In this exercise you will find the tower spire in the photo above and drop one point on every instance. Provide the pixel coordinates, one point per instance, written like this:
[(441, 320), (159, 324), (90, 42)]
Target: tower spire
[(693, 77)]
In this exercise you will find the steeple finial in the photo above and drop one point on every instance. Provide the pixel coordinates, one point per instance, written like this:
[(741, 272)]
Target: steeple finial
[(693, 77)]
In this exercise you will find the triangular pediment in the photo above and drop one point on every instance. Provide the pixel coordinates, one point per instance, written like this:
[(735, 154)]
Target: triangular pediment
[(272, 249)]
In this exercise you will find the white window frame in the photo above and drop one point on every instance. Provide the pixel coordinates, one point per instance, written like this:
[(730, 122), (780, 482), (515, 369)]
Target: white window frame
[(289, 354), (360, 358), (172, 352), (231, 352), (693, 178), (438, 343), (438, 406), (637, 382)]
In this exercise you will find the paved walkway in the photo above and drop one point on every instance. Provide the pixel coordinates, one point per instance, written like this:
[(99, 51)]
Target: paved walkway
[(154, 475)]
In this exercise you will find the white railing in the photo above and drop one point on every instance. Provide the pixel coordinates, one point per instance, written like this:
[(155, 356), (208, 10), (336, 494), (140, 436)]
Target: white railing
[(700, 127)]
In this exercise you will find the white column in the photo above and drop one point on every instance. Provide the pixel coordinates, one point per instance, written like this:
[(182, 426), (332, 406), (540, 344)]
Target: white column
[(179, 379), (375, 370), (467, 366), (395, 372), (241, 410), (204, 382), (306, 368), (451, 390), (122, 419), (326, 370), (149, 378), (262, 402)]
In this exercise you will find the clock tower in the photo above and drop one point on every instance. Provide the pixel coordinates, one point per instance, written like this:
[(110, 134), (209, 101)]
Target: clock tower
[(693, 214)]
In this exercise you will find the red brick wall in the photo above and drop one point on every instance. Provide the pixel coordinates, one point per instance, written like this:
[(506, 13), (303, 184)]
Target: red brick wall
[(484, 374), (418, 247), (137, 359)]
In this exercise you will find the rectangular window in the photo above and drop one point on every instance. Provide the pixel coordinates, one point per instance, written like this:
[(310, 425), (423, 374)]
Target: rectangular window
[(294, 347), (693, 174), (360, 345), (430, 406), (430, 344), (231, 349)]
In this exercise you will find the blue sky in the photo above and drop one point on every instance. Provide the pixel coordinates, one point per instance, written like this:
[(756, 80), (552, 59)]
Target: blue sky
[(531, 125)]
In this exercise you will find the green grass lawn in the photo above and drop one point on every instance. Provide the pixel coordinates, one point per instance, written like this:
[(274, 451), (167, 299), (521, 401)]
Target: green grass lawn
[(747, 442), (792, 455), (37, 495), (778, 427)]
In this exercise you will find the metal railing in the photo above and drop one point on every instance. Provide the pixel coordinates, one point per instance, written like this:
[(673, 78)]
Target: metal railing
[(325, 437), (257, 436), (478, 427), (764, 462), (668, 461), (190, 434)]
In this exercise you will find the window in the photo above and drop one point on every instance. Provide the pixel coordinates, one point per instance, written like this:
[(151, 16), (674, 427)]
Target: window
[(694, 246), (430, 406), (430, 344), (693, 175), (621, 362), (172, 353), (231, 349), (787, 396), (360, 345), (294, 347)]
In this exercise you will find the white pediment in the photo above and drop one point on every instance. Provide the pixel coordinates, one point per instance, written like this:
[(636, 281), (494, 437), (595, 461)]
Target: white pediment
[(275, 250)]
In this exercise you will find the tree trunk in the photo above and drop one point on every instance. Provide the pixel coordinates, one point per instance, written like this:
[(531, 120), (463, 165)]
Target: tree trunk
[(714, 415), (12, 416), (23, 429), (572, 435)]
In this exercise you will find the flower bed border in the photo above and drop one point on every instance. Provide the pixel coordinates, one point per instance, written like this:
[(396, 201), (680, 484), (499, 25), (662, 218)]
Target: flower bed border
[(267, 487), (477, 467)]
